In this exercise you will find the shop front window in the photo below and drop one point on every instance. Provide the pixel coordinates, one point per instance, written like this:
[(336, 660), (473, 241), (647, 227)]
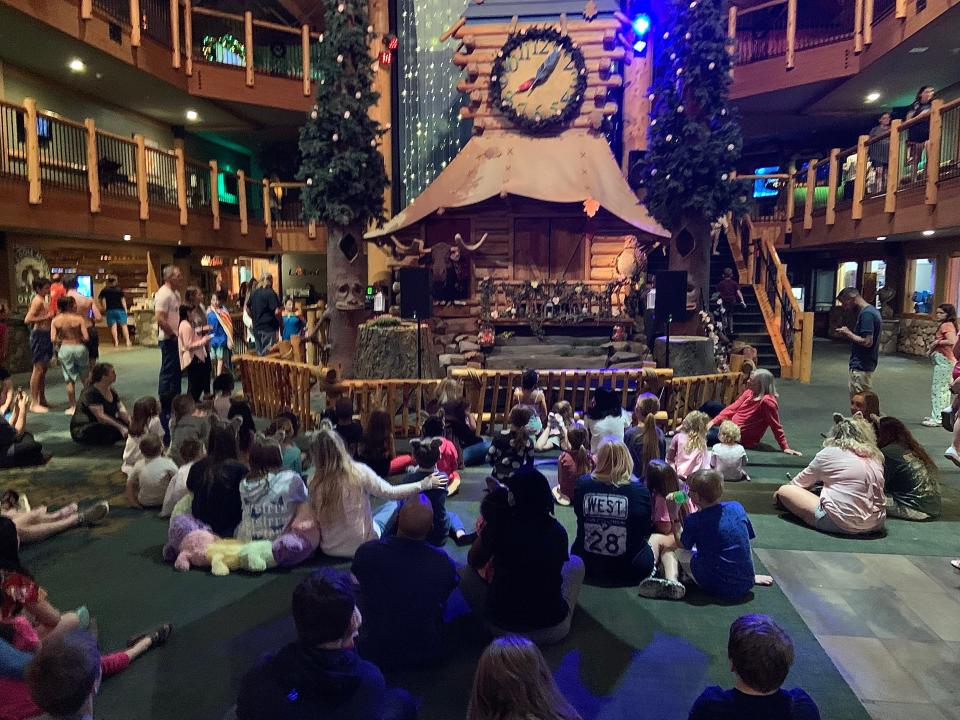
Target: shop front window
[(825, 292), (921, 281), (846, 276), (874, 278)]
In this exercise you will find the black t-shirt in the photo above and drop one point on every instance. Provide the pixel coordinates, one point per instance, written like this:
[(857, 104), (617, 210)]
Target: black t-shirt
[(352, 434), (84, 417), (113, 297), (715, 703), (216, 494), (613, 525), (869, 323), (263, 309), (528, 556)]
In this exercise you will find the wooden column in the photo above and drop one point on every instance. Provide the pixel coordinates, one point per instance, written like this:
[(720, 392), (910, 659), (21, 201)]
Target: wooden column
[(893, 168), (933, 152), (901, 9), (33, 150), (175, 32), (732, 32), (215, 193), (811, 188), (248, 44), (860, 179), (831, 215), (868, 22), (806, 356), (312, 229), (379, 17), (858, 26), (305, 51), (86, 9), (267, 215), (791, 196), (136, 23), (93, 170), (242, 200), (181, 165), (142, 195), (188, 37), (792, 31)]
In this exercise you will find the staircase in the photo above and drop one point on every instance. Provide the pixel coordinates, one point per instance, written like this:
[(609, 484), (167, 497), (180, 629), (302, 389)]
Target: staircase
[(589, 349)]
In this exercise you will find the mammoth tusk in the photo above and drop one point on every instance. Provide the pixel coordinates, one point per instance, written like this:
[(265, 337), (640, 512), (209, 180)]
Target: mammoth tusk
[(468, 246), (415, 247)]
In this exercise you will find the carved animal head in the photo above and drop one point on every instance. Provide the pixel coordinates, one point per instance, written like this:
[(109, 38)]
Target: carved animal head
[(349, 296)]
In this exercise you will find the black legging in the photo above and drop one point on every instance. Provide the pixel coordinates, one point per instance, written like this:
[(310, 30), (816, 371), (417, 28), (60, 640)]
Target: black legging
[(96, 434), (23, 452), (198, 378)]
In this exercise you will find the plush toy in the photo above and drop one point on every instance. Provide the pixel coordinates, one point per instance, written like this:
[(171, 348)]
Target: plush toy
[(231, 554), (180, 526), (193, 550), (257, 556)]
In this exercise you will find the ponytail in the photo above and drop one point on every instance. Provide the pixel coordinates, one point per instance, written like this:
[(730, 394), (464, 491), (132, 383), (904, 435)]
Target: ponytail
[(651, 440), (519, 439), (584, 461)]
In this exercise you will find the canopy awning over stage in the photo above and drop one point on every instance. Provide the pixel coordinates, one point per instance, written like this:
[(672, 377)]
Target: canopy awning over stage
[(572, 167)]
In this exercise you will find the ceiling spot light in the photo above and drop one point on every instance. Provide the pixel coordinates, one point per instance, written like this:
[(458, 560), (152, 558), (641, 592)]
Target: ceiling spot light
[(872, 97), (77, 65), (881, 238), (928, 233), (919, 49), (192, 115), (126, 238)]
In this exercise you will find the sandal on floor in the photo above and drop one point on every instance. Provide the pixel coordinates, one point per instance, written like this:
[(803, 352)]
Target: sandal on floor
[(955, 564), (560, 497), (157, 638)]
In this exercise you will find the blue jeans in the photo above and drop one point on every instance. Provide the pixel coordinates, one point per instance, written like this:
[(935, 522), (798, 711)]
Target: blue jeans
[(264, 340), (385, 514), (170, 382), (12, 661), (476, 454)]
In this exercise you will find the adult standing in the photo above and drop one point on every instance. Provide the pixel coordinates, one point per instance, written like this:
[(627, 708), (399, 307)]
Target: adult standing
[(878, 153), (864, 339), (57, 290), (264, 309), (113, 303), (101, 418), (88, 310), (166, 304), (38, 317), (70, 330), (918, 134), (193, 354), (729, 291), (941, 353)]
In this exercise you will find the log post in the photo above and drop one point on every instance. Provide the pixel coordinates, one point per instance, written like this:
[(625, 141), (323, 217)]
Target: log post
[(893, 168), (242, 200), (188, 37), (732, 33), (175, 33), (831, 215), (267, 215), (858, 26), (142, 195), (215, 193), (933, 152), (860, 179), (33, 150), (806, 344), (181, 172), (811, 189), (86, 9), (136, 23), (305, 51), (792, 31), (93, 170), (901, 12), (868, 23), (311, 324), (248, 44)]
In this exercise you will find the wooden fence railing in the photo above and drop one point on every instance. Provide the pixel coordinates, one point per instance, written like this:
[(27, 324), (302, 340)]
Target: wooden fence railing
[(273, 385)]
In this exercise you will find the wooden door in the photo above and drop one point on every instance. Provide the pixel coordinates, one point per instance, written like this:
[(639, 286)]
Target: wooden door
[(531, 249), (567, 250)]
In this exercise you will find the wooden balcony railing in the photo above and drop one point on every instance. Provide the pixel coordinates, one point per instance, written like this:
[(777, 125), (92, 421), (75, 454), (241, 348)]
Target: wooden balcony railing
[(48, 151)]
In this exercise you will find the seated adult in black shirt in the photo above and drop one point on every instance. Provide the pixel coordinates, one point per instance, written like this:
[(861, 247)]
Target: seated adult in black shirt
[(321, 675), (100, 417), (613, 520), (404, 586), (535, 582), (761, 654)]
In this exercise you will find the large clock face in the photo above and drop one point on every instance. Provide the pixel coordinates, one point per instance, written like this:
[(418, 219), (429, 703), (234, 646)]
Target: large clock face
[(538, 80)]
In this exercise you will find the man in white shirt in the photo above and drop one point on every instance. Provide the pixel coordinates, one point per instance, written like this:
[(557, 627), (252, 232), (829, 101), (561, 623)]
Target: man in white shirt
[(166, 305)]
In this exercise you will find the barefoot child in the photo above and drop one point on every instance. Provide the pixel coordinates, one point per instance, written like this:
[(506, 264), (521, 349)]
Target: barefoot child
[(70, 330), (573, 464), (729, 457)]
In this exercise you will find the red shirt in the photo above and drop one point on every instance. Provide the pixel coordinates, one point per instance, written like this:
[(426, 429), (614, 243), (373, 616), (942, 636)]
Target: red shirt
[(753, 417), (57, 291)]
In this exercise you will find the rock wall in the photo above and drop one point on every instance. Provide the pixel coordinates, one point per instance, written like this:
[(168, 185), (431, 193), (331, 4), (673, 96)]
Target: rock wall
[(916, 334), (391, 352), (889, 337), (18, 346)]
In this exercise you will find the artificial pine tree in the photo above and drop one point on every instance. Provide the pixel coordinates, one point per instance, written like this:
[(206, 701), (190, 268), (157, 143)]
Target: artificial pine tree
[(694, 138), (342, 166)]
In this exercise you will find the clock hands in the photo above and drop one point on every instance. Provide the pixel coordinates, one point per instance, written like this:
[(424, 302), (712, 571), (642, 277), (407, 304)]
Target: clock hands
[(543, 72)]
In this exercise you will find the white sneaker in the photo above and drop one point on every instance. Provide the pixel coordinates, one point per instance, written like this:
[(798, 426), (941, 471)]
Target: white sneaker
[(952, 455), (660, 589), (930, 422)]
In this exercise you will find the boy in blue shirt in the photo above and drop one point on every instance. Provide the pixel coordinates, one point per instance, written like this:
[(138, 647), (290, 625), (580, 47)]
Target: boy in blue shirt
[(761, 654)]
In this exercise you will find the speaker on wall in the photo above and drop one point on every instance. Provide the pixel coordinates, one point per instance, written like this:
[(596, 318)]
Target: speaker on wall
[(415, 293), (671, 297)]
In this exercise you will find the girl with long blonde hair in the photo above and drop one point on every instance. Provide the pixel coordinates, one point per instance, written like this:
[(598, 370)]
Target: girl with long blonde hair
[(688, 449), (340, 491)]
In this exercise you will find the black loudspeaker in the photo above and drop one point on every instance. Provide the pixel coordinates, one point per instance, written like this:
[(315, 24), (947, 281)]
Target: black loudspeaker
[(415, 293), (671, 298)]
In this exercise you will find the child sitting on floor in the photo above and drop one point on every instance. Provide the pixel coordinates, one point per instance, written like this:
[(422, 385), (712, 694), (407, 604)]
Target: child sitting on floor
[(191, 451), (645, 440), (145, 419), (187, 421), (281, 429), (559, 424), (223, 386), (147, 483), (530, 396), (513, 447), (270, 495), (760, 653), (573, 464), (347, 428), (729, 457), (713, 547), (688, 449)]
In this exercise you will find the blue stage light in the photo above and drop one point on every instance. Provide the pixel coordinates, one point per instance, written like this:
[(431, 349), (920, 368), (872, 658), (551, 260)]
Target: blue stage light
[(641, 26)]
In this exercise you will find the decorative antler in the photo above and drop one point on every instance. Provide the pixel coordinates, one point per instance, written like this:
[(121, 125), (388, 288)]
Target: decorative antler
[(471, 247), (400, 250)]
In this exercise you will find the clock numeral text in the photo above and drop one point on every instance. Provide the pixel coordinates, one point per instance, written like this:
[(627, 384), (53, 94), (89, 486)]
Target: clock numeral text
[(571, 65)]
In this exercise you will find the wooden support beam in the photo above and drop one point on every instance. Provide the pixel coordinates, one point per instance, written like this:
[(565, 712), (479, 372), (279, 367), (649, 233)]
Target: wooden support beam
[(732, 32), (312, 229), (831, 215), (215, 193), (868, 23), (933, 152), (860, 179), (181, 174), (893, 168), (188, 36), (242, 201), (267, 215), (33, 150), (791, 196), (806, 344), (305, 51), (93, 170), (86, 9), (175, 33), (792, 32), (858, 26), (811, 187), (248, 44), (901, 10), (136, 23), (141, 160)]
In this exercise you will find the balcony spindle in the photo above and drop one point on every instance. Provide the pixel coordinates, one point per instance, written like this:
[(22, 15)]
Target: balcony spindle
[(868, 23), (858, 26), (732, 32), (215, 193), (933, 152), (93, 169), (792, 31), (267, 216), (181, 173), (175, 33), (305, 51), (188, 36)]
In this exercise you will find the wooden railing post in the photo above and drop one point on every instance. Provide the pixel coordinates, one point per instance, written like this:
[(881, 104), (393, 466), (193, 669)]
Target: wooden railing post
[(831, 214), (33, 150), (901, 11), (858, 26), (93, 169), (242, 200), (806, 344), (791, 196), (893, 168), (248, 44), (181, 172), (86, 9), (267, 215), (215, 193), (792, 31), (811, 188), (142, 195), (312, 229), (188, 37), (860, 179), (175, 33), (933, 151), (136, 23), (732, 32), (305, 50), (311, 324), (868, 23)]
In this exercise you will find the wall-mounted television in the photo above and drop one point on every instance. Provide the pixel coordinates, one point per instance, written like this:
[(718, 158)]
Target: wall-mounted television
[(763, 187), (85, 285)]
